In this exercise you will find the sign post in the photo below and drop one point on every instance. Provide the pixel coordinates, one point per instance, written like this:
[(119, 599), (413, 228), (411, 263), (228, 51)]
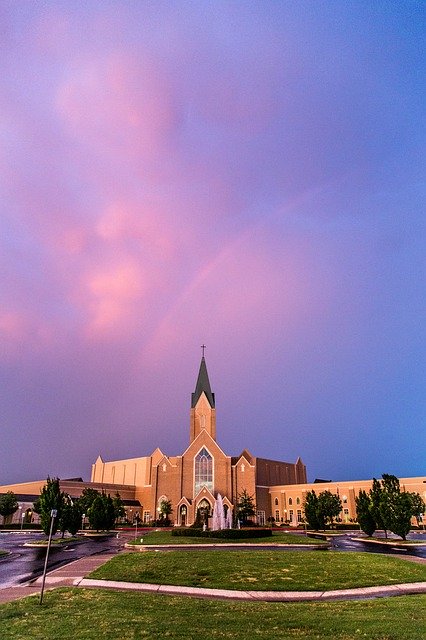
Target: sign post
[(53, 515)]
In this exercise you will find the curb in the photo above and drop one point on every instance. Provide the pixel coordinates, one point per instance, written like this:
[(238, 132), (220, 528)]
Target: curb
[(262, 596)]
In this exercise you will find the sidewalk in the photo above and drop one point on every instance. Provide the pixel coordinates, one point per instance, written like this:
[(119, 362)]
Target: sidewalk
[(73, 574), (66, 576)]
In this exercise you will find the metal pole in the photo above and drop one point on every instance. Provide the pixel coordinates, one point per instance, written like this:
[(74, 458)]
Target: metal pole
[(53, 515)]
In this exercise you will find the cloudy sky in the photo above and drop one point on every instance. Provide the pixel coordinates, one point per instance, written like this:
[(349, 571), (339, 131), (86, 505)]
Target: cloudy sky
[(248, 175)]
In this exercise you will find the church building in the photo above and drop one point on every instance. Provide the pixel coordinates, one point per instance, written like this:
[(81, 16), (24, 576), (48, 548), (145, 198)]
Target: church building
[(192, 480)]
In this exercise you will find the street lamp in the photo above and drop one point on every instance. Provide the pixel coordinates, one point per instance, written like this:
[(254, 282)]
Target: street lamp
[(82, 521), (22, 519)]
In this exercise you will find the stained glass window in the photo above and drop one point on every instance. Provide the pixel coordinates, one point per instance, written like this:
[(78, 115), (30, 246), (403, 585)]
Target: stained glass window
[(203, 471)]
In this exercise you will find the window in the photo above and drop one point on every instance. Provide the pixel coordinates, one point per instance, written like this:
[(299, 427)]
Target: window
[(203, 471), (276, 502), (299, 515), (290, 501), (146, 517), (290, 513), (297, 500), (260, 516), (277, 516)]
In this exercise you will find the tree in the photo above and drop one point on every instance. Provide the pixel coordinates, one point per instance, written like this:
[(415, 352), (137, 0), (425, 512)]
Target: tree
[(395, 508), (313, 517), (419, 506), (86, 499), (101, 513), (70, 519), (363, 512), (329, 506), (119, 510), (8, 505), (51, 497), (245, 507), (375, 494), (165, 510)]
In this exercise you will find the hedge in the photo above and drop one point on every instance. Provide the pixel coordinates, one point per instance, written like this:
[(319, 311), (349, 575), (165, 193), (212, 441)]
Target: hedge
[(228, 534)]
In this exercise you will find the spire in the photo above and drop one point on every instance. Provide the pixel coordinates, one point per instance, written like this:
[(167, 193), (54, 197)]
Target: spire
[(203, 385)]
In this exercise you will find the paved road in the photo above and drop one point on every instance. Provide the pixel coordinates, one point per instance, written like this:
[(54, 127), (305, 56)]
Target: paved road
[(345, 543), (26, 563)]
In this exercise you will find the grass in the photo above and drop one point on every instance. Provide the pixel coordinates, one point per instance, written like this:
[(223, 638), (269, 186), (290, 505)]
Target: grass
[(54, 541), (261, 570), (165, 537), (95, 614)]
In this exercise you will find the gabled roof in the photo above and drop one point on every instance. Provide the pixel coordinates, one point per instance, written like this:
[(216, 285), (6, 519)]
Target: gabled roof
[(202, 386)]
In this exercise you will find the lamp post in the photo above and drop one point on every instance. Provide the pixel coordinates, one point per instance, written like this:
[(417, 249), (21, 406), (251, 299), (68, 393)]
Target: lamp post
[(82, 521), (20, 513), (22, 519)]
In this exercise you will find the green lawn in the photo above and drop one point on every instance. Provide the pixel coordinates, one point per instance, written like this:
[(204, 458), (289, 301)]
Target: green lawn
[(165, 537), (261, 570), (95, 614)]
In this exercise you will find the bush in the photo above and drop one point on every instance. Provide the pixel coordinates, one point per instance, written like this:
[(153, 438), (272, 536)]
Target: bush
[(227, 534)]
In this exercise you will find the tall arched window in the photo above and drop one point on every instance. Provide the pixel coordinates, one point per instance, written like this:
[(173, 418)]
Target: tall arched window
[(203, 471)]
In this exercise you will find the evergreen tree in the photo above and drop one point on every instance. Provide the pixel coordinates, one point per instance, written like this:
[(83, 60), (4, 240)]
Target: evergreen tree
[(245, 506), (51, 497), (363, 512), (8, 505)]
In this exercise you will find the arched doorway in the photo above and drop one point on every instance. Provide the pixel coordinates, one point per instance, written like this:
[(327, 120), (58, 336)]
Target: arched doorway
[(203, 511), (183, 514)]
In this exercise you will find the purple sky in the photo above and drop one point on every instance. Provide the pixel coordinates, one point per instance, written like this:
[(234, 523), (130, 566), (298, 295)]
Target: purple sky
[(245, 174)]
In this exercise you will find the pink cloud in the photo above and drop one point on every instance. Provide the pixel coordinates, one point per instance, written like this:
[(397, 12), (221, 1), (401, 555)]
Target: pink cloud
[(120, 103)]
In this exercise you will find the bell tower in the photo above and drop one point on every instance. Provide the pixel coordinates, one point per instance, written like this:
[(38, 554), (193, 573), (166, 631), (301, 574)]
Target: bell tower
[(203, 412)]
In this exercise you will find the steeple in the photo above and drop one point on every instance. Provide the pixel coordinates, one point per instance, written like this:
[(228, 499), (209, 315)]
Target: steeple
[(203, 385), (203, 412)]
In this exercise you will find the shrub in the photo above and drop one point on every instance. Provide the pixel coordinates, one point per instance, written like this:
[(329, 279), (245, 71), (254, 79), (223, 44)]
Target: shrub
[(227, 534)]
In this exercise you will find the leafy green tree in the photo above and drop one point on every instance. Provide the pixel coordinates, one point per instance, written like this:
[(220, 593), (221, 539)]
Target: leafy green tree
[(313, 517), (51, 497), (101, 513), (419, 506), (375, 494), (96, 513), (329, 506), (8, 505), (245, 507), (165, 510), (363, 512), (71, 516), (86, 499), (119, 510), (396, 507)]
